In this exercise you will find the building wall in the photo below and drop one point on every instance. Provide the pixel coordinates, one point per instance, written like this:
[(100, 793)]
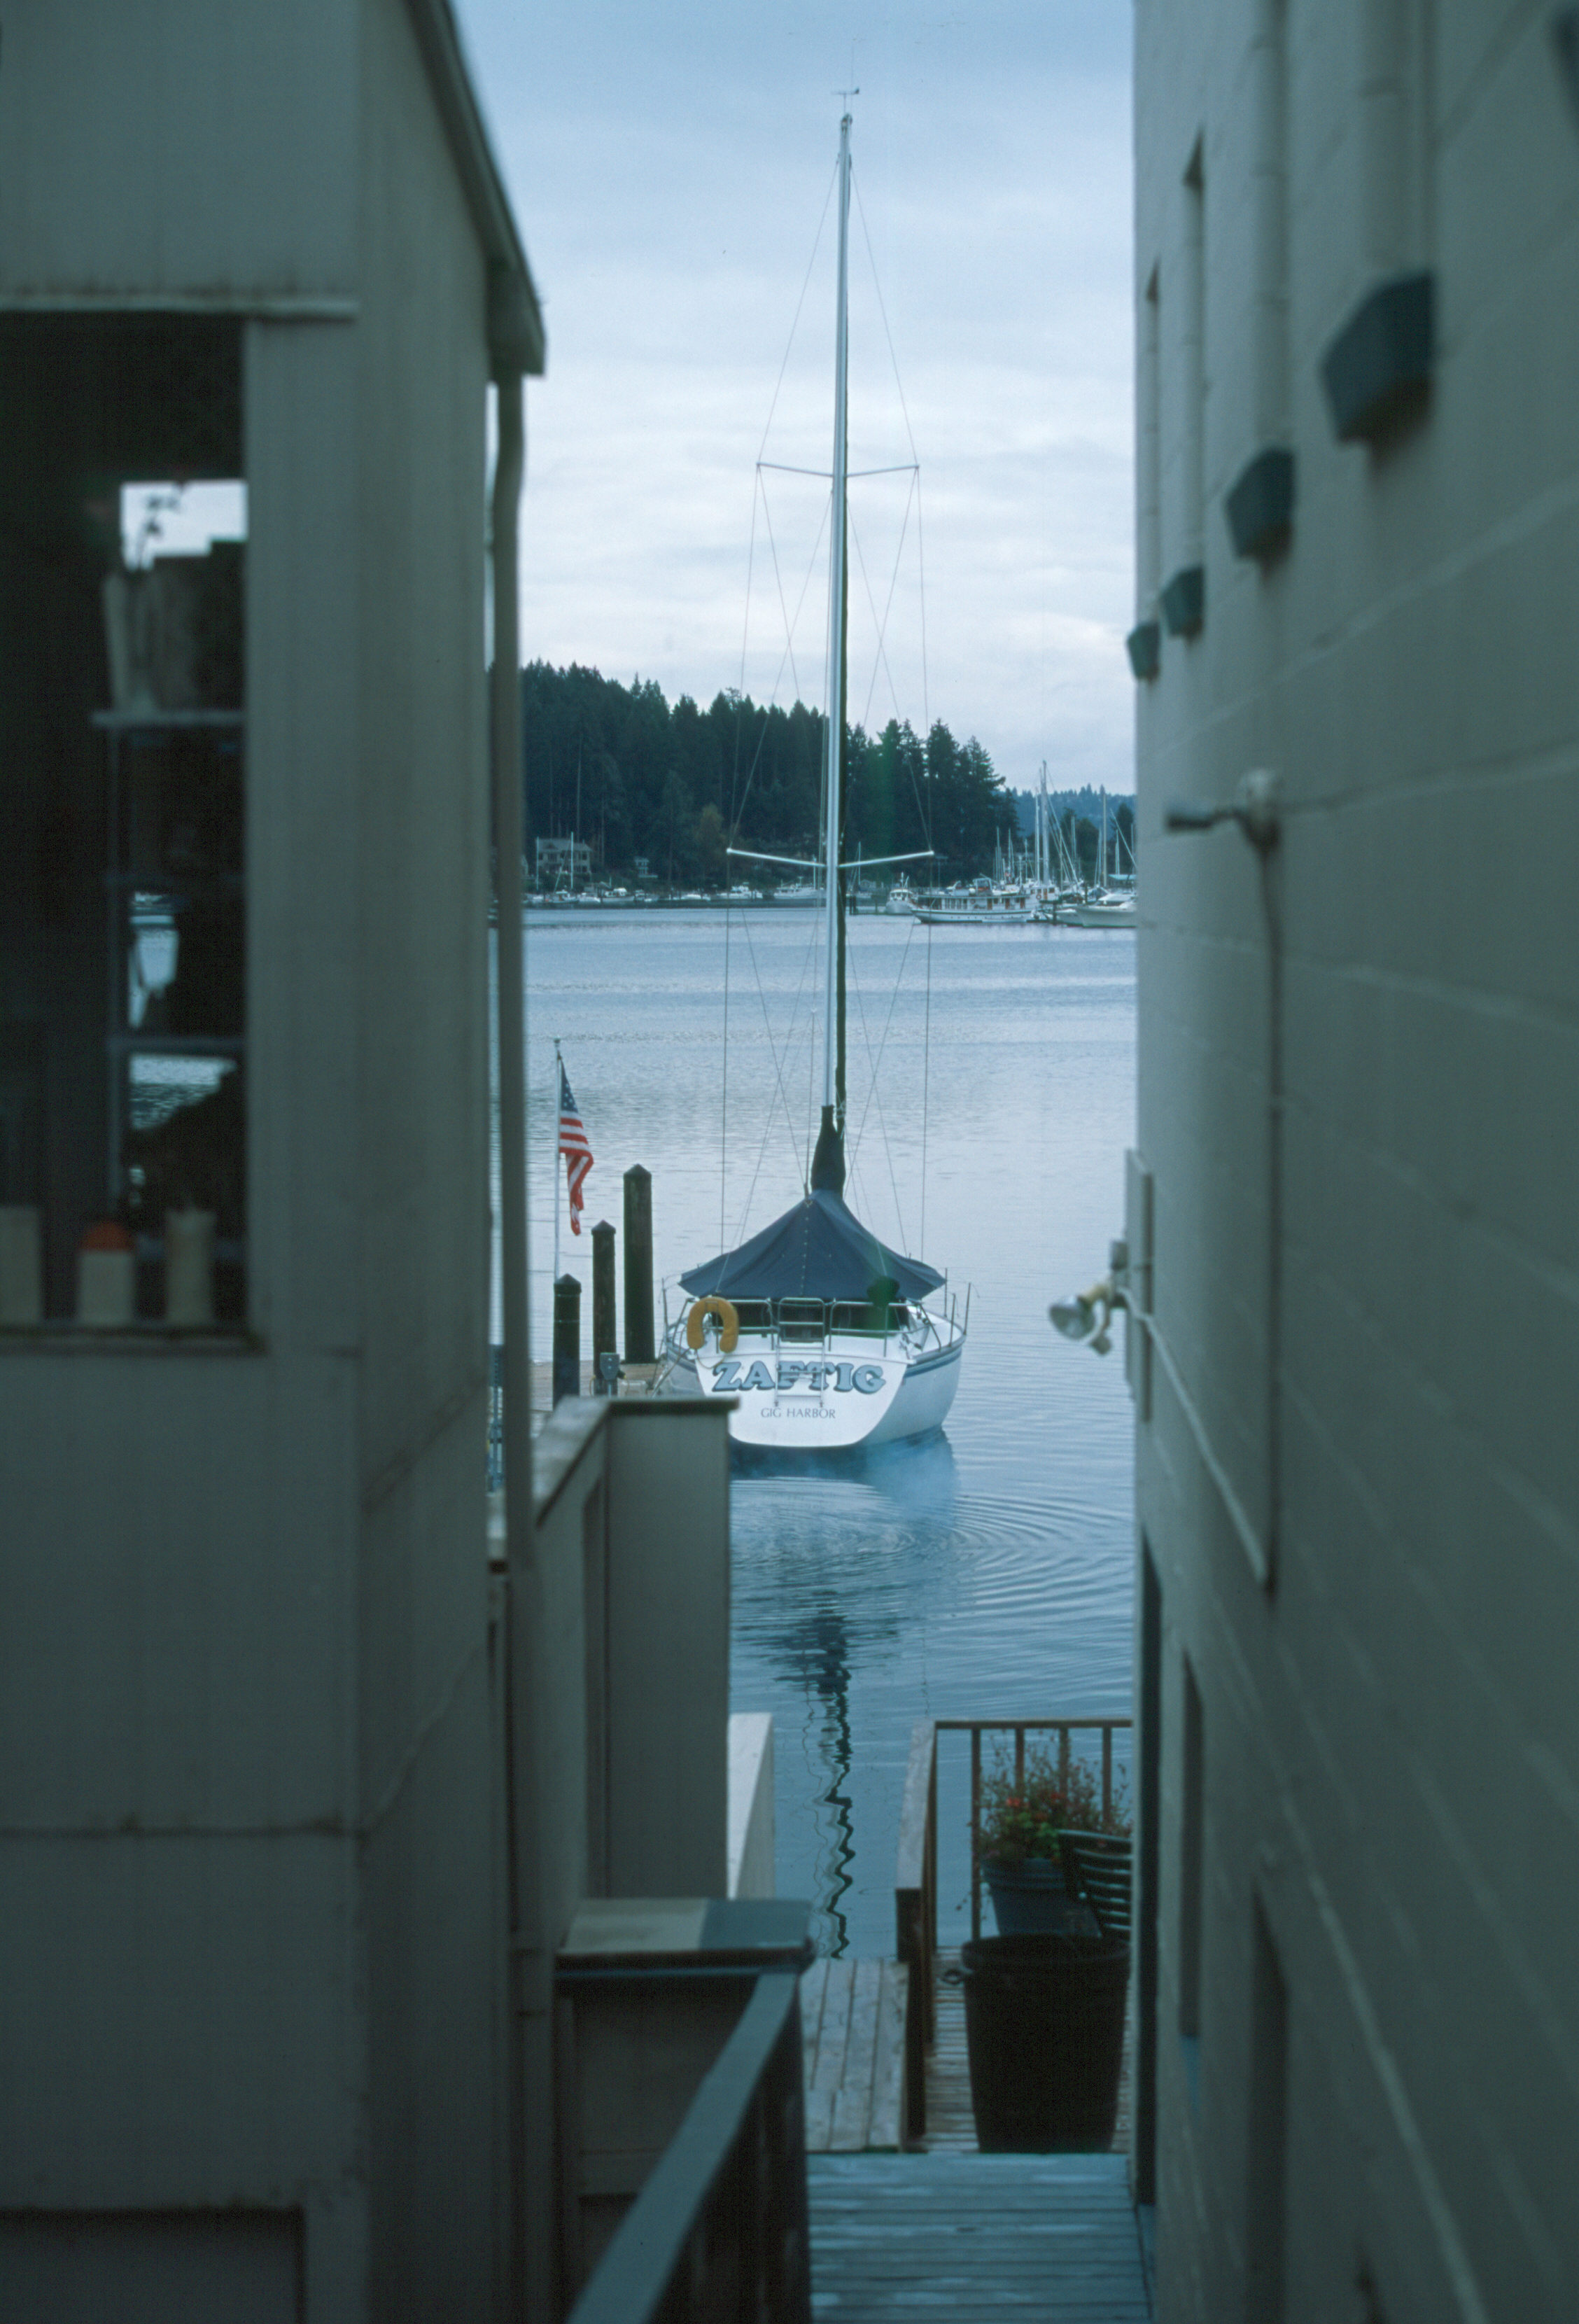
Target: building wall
[(212, 151), (1367, 1573), (253, 1927), (421, 817)]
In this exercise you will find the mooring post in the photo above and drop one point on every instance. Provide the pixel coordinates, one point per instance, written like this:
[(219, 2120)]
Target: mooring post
[(638, 1346), (602, 1307), (567, 1337)]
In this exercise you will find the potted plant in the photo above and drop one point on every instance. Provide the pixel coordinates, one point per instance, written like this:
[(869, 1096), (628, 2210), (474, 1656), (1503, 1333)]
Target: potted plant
[(1044, 1998), (1018, 1849)]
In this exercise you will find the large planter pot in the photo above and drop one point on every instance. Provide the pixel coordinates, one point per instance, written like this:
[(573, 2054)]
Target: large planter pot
[(1031, 1898), (1045, 2026)]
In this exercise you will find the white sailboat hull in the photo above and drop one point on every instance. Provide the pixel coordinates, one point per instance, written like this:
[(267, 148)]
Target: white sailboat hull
[(1100, 916), (849, 1390)]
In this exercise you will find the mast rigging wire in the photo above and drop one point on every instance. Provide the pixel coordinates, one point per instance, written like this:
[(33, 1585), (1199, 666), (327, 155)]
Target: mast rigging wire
[(787, 656), (873, 1092), (806, 285), (879, 657), (724, 1115), (926, 1074), (804, 1164)]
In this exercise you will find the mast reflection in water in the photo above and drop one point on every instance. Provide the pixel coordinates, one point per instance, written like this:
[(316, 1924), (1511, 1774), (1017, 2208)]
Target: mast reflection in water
[(814, 1654)]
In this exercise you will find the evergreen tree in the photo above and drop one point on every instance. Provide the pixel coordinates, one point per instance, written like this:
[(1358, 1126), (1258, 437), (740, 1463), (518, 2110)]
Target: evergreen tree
[(620, 768)]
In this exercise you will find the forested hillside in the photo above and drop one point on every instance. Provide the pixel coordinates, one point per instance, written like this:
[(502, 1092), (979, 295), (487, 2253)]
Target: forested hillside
[(620, 767)]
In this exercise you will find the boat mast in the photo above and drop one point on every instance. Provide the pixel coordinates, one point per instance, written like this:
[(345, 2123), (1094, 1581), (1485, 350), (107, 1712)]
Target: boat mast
[(827, 1169)]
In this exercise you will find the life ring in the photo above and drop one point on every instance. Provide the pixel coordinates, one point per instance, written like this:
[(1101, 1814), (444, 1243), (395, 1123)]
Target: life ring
[(722, 1312)]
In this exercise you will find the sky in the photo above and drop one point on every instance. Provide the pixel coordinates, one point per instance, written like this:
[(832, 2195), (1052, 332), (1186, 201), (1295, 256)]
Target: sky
[(670, 166)]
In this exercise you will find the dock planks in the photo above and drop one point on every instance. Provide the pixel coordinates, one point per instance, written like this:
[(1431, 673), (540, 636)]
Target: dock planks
[(852, 2021), (979, 2236)]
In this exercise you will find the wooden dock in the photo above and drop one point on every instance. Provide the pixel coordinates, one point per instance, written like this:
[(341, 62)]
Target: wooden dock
[(852, 2017), (977, 2236), (853, 2025)]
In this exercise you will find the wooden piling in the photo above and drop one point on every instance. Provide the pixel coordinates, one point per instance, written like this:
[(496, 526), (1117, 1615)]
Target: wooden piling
[(638, 1339), (567, 1337), (603, 1304)]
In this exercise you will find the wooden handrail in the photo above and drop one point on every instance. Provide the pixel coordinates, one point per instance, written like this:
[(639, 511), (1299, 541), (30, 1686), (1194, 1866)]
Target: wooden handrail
[(720, 2229), (915, 1916)]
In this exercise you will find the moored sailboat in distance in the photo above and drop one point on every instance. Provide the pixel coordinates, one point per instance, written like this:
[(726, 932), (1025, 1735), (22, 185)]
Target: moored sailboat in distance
[(824, 1338)]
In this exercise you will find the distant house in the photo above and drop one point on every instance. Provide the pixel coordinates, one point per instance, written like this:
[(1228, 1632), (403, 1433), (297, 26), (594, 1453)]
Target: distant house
[(298, 1793), (563, 862), (1351, 1237)]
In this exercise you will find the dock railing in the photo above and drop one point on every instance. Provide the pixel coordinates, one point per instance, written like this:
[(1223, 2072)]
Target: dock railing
[(720, 2231), (915, 1871)]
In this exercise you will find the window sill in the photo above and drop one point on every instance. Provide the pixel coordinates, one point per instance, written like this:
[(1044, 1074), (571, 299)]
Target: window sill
[(150, 1339)]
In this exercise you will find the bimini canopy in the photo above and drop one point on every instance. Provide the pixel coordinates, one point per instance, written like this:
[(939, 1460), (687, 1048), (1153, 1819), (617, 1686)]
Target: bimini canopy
[(818, 1250)]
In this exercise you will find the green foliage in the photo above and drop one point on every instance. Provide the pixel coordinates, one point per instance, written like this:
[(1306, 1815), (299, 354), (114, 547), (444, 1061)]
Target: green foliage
[(1023, 1818), (617, 766)]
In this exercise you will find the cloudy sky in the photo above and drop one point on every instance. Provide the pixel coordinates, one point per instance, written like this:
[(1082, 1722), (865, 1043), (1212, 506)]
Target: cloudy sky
[(670, 166)]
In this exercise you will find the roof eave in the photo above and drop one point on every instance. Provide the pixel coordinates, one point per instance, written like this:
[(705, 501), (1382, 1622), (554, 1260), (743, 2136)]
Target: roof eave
[(516, 341)]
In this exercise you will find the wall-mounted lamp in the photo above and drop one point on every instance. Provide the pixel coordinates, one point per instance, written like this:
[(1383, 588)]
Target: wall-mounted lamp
[(1087, 1316)]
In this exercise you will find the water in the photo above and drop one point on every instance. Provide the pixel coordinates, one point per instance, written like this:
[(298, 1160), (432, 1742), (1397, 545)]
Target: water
[(988, 1573)]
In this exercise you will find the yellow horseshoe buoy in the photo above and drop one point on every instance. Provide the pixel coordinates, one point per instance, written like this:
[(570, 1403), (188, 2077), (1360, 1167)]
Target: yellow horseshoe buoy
[(722, 1313)]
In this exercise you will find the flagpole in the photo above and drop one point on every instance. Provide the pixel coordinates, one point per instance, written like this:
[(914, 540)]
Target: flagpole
[(559, 1105)]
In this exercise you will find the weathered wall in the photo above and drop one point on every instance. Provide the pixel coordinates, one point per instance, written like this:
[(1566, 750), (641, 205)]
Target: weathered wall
[(420, 811), (193, 150), (1390, 1729), (253, 1932)]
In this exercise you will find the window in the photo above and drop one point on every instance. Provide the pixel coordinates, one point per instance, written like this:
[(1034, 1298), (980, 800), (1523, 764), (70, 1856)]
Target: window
[(121, 787)]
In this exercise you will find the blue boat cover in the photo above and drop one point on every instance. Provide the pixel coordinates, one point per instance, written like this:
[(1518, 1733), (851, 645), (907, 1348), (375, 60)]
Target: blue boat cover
[(818, 1250)]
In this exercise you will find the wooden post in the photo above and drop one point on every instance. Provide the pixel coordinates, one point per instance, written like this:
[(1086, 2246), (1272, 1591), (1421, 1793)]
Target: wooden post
[(638, 1341), (603, 1304), (975, 1831), (567, 1337)]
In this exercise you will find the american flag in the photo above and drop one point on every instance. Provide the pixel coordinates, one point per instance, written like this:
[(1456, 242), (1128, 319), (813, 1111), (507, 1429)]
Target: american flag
[(573, 1146)]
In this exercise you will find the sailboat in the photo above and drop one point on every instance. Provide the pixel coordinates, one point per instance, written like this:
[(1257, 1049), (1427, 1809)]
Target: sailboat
[(1103, 907), (824, 1338)]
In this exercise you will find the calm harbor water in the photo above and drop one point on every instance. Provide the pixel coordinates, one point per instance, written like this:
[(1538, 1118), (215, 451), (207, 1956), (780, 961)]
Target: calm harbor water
[(987, 1573)]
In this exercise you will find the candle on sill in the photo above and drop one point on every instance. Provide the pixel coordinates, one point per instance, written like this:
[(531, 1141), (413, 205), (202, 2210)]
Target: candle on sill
[(189, 1267), (21, 1264), (107, 1277)]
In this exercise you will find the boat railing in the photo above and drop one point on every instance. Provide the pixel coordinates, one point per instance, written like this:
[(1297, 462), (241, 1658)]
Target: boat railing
[(720, 2227), (812, 1322), (916, 1867)]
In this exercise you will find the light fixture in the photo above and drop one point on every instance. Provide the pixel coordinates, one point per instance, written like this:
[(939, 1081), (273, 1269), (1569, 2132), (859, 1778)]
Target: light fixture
[(1085, 1315)]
